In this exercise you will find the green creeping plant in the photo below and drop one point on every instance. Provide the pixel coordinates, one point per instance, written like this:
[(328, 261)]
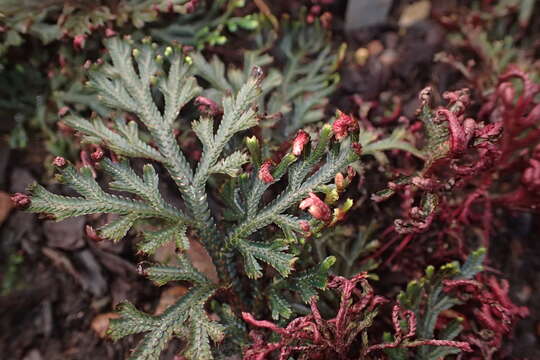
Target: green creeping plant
[(154, 87)]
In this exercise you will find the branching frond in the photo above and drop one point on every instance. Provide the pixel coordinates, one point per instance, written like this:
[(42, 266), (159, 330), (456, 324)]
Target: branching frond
[(298, 93), (305, 284), (95, 200), (152, 88), (186, 319), (425, 297), (137, 84), (273, 254), (231, 165), (123, 140), (257, 218), (175, 232), (162, 274), (372, 145), (308, 281)]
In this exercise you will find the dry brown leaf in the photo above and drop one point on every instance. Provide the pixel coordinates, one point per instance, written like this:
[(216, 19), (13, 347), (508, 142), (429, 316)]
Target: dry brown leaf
[(414, 13), (169, 297), (198, 255), (100, 323), (202, 261), (6, 205)]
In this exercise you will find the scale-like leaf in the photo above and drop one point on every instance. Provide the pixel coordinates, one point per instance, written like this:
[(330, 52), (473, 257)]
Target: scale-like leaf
[(162, 274), (309, 281), (154, 239), (124, 141), (273, 254), (186, 318), (279, 305), (231, 165)]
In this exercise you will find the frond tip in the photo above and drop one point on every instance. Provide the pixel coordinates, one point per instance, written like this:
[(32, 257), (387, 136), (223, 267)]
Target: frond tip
[(273, 254)]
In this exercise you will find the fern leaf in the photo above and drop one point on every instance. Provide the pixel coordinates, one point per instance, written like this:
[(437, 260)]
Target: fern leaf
[(237, 116), (279, 305), (138, 86), (112, 93), (292, 195), (95, 200), (426, 298), (125, 179), (178, 89), (63, 207), (212, 71), (117, 229), (231, 165), (300, 170), (307, 282), (185, 317), (202, 329), (473, 264), (155, 239), (288, 221), (371, 145), (162, 274), (204, 129), (132, 321), (273, 254), (125, 142)]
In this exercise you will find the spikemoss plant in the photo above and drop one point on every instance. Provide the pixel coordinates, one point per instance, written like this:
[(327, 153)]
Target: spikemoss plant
[(154, 88)]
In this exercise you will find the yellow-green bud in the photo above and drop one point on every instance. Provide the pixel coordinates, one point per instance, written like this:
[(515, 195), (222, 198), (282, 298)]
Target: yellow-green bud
[(429, 271), (254, 149), (326, 130), (347, 205), (331, 196), (221, 40)]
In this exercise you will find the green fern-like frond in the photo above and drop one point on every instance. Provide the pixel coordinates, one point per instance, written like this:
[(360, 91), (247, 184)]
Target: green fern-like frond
[(202, 330), (185, 271), (273, 254), (132, 321), (279, 305), (309, 76), (309, 281), (124, 139), (231, 165), (186, 319), (150, 87), (121, 85), (95, 200), (305, 284), (175, 232), (299, 92), (336, 160), (398, 140), (426, 298)]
